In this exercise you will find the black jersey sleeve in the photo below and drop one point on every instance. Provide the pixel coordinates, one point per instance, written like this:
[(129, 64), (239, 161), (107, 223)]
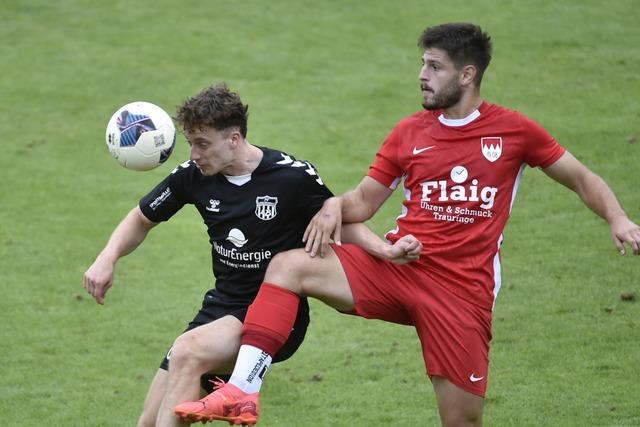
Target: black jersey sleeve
[(313, 192), (168, 197)]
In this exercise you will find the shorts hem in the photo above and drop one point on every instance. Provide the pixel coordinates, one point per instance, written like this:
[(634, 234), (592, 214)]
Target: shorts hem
[(346, 268), (465, 387)]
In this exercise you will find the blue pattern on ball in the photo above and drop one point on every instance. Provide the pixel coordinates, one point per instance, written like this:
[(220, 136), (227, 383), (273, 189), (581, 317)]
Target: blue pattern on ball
[(164, 154), (132, 126)]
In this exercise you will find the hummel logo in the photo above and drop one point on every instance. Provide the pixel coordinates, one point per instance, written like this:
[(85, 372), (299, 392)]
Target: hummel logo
[(420, 150), (214, 205), (474, 379)]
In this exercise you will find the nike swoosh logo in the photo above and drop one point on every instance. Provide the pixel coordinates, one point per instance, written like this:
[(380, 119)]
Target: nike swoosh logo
[(420, 150), (474, 379)]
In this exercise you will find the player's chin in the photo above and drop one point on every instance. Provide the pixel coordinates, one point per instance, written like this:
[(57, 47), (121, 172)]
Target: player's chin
[(430, 105), (205, 171)]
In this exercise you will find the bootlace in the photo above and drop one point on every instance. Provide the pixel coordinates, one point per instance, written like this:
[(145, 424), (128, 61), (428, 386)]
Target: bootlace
[(217, 383)]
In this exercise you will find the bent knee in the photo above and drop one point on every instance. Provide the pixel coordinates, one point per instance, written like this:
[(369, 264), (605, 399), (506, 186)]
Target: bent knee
[(187, 352), (297, 271), (284, 261), (287, 268)]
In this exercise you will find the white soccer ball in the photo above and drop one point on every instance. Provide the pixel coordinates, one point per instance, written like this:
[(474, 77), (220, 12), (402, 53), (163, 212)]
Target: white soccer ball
[(140, 136)]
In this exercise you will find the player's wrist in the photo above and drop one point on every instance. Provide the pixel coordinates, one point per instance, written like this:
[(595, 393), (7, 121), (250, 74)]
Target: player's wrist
[(617, 217), (334, 202), (108, 257), (387, 252)]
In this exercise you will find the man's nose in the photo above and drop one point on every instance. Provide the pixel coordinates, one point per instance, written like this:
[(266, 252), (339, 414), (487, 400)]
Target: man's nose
[(193, 153)]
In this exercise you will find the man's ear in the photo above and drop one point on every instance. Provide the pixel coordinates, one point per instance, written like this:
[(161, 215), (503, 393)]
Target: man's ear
[(235, 138), (468, 75)]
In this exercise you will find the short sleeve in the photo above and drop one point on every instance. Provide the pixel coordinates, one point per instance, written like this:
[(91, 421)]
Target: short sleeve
[(166, 198), (542, 149), (386, 168), (313, 192)]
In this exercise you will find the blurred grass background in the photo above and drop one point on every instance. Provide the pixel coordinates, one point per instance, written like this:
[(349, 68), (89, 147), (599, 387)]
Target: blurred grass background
[(325, 81)]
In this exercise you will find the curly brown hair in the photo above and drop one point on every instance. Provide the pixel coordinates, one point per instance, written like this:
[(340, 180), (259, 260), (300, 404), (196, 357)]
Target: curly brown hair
[(216, 107)]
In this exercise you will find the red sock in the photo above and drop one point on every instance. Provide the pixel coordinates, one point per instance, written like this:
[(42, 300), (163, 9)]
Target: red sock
[(270, 318)]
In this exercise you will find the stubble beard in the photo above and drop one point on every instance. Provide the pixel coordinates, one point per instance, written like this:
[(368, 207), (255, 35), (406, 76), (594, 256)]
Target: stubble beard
[(447, 97)]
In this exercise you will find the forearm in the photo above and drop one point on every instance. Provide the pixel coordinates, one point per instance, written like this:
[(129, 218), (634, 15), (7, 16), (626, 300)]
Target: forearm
[(127, 236), (353, 208), (594, 192), (361, 203), (598, 196), (359, 234)]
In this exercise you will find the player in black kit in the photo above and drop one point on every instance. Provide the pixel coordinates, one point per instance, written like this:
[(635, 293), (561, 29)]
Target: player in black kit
[(255, 203)]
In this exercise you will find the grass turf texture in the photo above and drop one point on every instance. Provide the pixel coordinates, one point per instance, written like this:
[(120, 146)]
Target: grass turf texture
[(325, 81)]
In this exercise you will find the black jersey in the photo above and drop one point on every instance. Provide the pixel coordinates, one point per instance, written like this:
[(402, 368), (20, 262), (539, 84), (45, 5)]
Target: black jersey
[(249, 218)]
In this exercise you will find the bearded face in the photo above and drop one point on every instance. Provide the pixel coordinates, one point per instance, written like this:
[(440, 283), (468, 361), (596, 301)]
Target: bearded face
[(447, 95)]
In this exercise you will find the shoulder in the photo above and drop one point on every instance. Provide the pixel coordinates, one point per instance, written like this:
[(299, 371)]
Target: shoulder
[(187, 167), (418, 119), (185, 174), (289, 168), (276, 160), (416, 122), (504, 114)]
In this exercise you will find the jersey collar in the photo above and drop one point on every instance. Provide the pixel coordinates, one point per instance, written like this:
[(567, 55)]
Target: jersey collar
[(460, 122), (238, 180)]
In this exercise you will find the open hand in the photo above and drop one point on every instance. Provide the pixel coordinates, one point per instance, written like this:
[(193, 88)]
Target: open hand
[(326, 224), (625, 231)]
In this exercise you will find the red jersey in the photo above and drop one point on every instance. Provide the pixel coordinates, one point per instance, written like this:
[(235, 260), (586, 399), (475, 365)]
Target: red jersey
[(460, 179)]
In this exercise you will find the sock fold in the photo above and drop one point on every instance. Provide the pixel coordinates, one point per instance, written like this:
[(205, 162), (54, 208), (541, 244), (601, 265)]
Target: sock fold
[(270, 318)]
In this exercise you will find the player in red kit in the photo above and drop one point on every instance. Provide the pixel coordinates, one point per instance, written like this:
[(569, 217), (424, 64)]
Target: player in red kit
[(460, 162)]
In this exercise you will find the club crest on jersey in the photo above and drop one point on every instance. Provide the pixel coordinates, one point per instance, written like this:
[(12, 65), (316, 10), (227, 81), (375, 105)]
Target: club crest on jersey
[(266, 207), (491, 147)]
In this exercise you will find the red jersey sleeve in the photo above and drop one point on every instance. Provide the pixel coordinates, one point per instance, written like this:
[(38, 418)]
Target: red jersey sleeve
[(542, 148), (386, 168)]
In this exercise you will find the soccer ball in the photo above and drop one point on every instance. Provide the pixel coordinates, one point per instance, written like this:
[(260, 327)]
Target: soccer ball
[(140, 136)]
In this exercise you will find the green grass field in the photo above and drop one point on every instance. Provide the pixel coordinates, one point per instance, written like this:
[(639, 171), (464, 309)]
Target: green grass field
[(325, 81)]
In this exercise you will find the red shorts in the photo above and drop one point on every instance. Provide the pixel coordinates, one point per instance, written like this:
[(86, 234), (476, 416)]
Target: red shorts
[(454, 333)]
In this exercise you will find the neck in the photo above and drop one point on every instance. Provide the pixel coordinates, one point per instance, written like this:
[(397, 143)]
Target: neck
[(248, 159), (469, 102)]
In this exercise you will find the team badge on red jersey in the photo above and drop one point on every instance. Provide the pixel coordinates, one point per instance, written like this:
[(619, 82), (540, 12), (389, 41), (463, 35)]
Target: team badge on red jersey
[(491, 147)]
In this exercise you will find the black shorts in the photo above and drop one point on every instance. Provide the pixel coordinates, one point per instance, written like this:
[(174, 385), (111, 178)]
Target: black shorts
[(213, 310)]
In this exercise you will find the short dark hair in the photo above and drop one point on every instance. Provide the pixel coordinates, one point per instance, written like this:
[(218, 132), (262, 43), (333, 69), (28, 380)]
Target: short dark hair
[(464, 43), (215, 106)]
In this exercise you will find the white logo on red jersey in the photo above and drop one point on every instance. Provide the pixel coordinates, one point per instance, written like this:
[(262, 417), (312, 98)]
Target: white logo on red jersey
[(491, 147), (474, 379), (459, 174), (417, 150), (469, 193)]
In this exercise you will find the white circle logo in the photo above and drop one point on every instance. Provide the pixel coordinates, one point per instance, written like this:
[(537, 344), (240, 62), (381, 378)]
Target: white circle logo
[(459, 174), (237, 238)]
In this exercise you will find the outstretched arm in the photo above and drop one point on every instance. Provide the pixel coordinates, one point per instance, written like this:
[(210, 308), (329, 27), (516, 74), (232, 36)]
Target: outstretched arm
[(125, 238), (404, 250), (357, 205), (596, 194)]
